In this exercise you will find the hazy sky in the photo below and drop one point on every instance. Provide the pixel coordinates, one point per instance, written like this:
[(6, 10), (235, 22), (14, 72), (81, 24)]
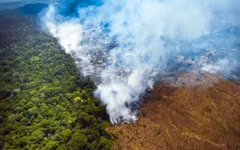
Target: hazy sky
[(3, 1)]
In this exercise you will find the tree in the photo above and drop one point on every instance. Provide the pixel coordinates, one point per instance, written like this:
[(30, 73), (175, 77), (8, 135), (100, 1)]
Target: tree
[(78, 141)]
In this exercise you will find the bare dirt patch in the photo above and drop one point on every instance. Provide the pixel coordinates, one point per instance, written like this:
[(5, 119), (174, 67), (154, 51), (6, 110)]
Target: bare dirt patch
[(178, 117)]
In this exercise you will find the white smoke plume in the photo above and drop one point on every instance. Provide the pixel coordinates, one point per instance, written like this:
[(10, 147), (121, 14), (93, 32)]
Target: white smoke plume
[(124, 45)]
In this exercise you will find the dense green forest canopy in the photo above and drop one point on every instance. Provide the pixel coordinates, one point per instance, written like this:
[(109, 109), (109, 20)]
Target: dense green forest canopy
[(44, 102)]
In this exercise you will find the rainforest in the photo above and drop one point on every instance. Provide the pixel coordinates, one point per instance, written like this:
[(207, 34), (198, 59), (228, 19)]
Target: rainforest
[(45, 102)]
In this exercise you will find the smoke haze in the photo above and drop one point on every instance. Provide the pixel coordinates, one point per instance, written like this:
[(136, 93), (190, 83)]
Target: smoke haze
[(125, 45)]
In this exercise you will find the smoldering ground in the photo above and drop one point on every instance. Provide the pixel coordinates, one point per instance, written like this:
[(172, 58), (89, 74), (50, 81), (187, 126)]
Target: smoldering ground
[(125, 45)]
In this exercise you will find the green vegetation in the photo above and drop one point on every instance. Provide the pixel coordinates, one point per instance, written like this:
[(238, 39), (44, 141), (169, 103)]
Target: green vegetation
[(44, 102)]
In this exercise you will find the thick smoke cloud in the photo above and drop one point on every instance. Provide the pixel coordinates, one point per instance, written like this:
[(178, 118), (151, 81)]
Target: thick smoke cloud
[(125, 45)]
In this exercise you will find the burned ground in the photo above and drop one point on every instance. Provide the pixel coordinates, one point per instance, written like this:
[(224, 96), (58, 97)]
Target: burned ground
[(178, 117)]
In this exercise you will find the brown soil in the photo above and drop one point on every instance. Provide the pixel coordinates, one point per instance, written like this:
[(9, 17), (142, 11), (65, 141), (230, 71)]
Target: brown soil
[(193, 117)]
